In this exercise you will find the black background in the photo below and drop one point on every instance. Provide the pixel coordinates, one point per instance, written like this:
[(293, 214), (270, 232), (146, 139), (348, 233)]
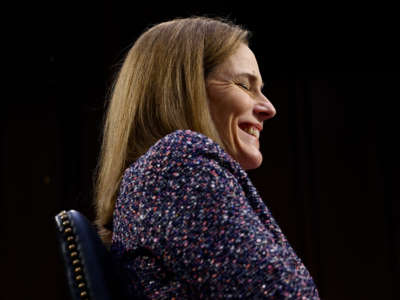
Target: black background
[(330, 170)]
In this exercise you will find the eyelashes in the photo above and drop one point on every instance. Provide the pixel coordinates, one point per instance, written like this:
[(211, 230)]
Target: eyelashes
[(243, 85), (247, 87)]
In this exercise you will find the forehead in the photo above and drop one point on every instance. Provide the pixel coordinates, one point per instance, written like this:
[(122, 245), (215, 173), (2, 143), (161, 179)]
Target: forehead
[(242, 61)]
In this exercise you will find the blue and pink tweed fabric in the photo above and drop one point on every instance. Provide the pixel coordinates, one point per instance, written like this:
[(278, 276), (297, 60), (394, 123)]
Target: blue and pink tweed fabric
[(189, 224)]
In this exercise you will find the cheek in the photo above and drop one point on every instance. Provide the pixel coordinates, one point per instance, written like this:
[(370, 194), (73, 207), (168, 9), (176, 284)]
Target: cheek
[(217, 102), (227, 105)]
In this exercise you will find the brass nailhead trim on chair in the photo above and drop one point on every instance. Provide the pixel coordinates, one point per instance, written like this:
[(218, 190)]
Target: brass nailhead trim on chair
[(73, 250)]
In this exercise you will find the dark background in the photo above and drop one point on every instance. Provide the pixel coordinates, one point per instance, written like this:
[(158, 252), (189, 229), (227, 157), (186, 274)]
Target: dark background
[(330, 170)]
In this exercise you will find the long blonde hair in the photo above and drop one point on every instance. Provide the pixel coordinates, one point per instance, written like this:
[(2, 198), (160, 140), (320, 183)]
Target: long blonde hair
[(160, 88)]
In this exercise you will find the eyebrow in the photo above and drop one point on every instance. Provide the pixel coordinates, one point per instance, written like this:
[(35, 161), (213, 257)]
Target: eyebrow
[(251, 77)]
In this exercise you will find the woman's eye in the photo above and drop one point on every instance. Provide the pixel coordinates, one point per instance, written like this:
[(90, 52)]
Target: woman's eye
[(243, 86)]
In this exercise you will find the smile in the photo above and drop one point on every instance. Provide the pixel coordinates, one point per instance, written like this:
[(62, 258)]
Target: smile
[(252, 130)]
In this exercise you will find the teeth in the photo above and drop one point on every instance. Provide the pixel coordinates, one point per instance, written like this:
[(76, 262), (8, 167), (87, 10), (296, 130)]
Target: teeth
[(253, 131)]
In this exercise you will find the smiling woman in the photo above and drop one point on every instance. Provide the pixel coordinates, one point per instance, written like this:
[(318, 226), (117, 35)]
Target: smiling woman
[(238, 107), (174, 202)]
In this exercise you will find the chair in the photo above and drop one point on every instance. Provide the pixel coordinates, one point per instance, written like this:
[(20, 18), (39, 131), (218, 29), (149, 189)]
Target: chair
[(89, 267)]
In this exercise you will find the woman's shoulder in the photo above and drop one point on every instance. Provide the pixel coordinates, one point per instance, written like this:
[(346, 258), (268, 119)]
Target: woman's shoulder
[(186, 143), (182, 149)]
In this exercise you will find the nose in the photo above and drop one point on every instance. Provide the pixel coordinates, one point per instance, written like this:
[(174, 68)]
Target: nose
[(264, 109)]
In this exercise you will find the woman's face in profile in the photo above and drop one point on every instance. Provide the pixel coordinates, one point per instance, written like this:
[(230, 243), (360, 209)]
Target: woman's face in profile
[(238, 106)]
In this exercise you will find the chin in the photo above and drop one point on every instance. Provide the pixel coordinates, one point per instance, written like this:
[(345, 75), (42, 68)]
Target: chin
[(250, 163), (248, 156)]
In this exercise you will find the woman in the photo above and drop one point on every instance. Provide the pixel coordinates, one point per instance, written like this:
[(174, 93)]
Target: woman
[(173, 199)]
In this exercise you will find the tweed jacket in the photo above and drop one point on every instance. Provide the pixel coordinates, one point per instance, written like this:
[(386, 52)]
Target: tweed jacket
[(189, 224)]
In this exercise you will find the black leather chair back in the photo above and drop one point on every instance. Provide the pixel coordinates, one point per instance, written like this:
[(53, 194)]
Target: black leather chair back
[(90, 270)]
